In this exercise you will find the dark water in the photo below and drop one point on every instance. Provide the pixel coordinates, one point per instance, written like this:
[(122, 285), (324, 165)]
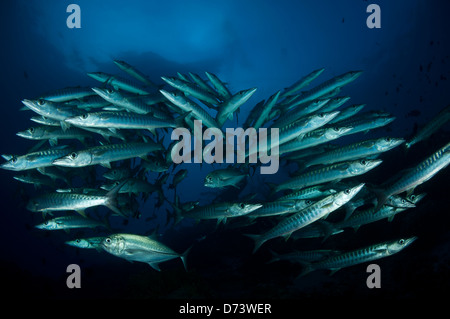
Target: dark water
[(263, 44)]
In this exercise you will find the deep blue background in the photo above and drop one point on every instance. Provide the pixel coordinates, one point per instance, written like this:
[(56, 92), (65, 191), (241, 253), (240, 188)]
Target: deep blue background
[(263, 44)]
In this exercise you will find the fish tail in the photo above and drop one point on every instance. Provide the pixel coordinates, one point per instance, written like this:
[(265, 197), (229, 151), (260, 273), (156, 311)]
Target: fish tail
[(111, 202), (258, 241), (307, 267), (381, 198), (183, 257)]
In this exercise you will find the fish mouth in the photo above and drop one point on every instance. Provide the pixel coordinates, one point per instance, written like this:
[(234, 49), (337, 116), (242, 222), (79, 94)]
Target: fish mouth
[(23, 134), (30, 104), (62, 162)]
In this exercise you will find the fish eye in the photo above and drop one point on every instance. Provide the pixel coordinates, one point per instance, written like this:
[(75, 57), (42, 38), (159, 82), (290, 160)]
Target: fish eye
[(336, 129), (401, 241), (84, 116), (242, 205), (73, 155), (40, 102), (321, 115), (347, 192), (13, 159), (109, 91), (387, 139), (77, 241), (31, 129), (363, 162), (108, 240)]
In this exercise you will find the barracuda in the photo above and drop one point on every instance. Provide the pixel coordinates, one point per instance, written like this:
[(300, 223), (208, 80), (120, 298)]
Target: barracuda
[(224, 177), (190, 89), (329, 173), (304, 81), (187, 105), (329, 86), (280, 207), (314, 138), (87, 243), (133, 247), (53, 134), (67, 94), (220, 87), (117, 82), (135, 73), (266, 109), (221, 211), (35, 159), (71, 222), (105, 154), (227, 108), (122, 120), (355, 151), (310, 192), (51, 202), (415, 176), (300, 111), (359, 256), (347, 113), (306, 216), (364, 123), (432, 126)]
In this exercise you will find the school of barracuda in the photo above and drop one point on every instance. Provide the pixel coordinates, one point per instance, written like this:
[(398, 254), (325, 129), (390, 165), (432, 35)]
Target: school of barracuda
[(121, 124)]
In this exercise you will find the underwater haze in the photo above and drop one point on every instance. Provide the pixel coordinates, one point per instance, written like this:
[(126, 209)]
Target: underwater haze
[(262, 44)]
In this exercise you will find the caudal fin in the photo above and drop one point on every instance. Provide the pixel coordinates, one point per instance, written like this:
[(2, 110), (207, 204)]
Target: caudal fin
[(111, 201), (183, 257), (258, 241)]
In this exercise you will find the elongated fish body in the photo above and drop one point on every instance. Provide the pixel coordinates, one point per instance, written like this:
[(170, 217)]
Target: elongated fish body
[(365, 123), (67, 94), (51, 202), (356, 150), (227, 108), (329, 86), (348, 112), (86, 243), (417, 175), (221, 211), (191, 89), (132, 185), (432, 126), (120, 120), (314, 138), (133, 72), (280, 207), (117, 82), (187, 105), (70, 222), (362, 255), (329, 173), (45, 121), (197, 79), (334, 102), (310, 192), (35, 159), (133, 247), (125, 101), (224, 177), (304, 81), (89, 102), (300, 112), (267, 108), (307, 216), (52, 110), (53, 134), (319, 229), (220, 87), (105, 154)]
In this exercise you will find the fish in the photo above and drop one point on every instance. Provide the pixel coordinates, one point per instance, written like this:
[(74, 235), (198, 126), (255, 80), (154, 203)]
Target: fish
[(117, 82), (105, 154), (304, 81), (227, 108), (36, 159), (280, 207), (358, 256), (71, 222), (123, 120), (190, 89), (266, 109), (221, 211), (135, 73), (139, 248), (224, 177), (328, 173), (54, 201), (411, 178), (219, 86), (178, 178), (431, 127), (306, 216), (356, 150), (67, 94), (87, 243), (53, 134)]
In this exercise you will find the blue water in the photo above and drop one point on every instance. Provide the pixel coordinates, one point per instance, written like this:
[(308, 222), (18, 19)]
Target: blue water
[(263, 44)]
